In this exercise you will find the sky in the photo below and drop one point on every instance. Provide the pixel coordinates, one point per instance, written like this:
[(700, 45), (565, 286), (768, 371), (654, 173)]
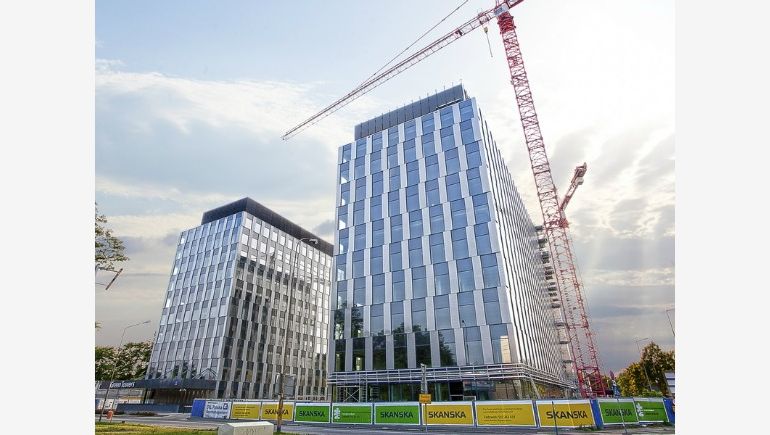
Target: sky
[(191, 99)]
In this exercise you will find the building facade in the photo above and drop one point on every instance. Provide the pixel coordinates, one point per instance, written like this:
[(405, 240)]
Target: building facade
[(224, 318), (437, 263)]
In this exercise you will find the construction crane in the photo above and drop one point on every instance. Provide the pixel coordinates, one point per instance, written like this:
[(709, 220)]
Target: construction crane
[(580, 338), (577, 180)]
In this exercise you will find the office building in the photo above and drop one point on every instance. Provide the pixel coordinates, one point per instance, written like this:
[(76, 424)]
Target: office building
[(223, 320), (438, 263)]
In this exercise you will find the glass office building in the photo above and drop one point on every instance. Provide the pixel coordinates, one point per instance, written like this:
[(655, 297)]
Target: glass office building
[(438, 263), (224, 315)]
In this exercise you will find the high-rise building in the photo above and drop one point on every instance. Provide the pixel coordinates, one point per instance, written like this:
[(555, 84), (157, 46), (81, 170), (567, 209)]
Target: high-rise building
[(438, 263), (223, 321)]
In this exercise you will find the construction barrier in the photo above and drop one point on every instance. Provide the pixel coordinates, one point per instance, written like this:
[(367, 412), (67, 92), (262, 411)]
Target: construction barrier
[(508, 413)]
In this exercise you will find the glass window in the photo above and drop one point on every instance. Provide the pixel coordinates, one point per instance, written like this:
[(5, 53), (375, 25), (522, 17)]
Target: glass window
[(377, 141), (473, 351), (459, 243), (359, 292), (474, 181), (446, 346), (358, 212), (436, 219), (453, 191), (431, 167), (359, 167), (378, 289), (397, 317), (378, 232), (466, 132), (481, 208), (359, 238), (339, 355), (378, 353), (359, 352), (410, 130), (356, 322), (375, 260), (415, 223), (344, 173), (346, 153), (419, 317), (360, 189), (466, 309), (412, 198), (501, 353), (375, 161), (392, 156), (377, 184), (341, 266), (437, 247), (466, 110), (419, 283), (442, 313), (358, 263), (431, 192), (447, 116), (376, 320), (360, 147), (392, 136), (395, 256), (342, 294), (342, 217), (410, 151), (483, 243), (399, 286), (472, 155), (465, 275), (489, 270), (458, 213), (441, 278), (428, 123), (415, 252), (375, 207), (412, 173), (447, 139), (400, 360), (393, 204), (396, 228), (345, 194), (452, 161), (395, 178), (428, 145), (422, 347)]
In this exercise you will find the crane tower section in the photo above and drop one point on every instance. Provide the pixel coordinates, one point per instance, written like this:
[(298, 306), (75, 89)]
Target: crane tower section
[(580, 338)]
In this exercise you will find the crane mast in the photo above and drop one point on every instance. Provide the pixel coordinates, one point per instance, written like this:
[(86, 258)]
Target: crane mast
[(554, 223)]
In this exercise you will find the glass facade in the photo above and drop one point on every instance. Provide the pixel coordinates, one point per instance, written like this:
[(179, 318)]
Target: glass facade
[(224, 315), (444, 268)]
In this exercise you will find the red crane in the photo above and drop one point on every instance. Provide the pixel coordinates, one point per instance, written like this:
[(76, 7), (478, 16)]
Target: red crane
[(581, 342)]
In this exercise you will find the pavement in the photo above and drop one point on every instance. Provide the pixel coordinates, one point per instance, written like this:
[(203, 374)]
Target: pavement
[(184, 420)]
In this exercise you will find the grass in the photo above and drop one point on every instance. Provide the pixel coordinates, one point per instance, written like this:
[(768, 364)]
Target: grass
[(130, 428)]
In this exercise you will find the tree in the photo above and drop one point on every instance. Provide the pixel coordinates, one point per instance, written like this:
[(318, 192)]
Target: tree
[(128, 362), (636, 379), (109, 249)]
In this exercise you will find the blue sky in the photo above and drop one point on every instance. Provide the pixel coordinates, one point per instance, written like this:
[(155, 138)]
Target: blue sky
[(192, 97)]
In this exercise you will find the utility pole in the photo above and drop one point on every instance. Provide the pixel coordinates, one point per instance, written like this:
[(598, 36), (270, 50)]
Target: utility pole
[(669, 322), (115, 366)]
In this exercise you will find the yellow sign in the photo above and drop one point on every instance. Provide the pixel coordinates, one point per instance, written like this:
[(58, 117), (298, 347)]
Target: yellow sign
[(505, 414), (449, 414), (572, 413), (425, 398), (245, 411), (270, 411)]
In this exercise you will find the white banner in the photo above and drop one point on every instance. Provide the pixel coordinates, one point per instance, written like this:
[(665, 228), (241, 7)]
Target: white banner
[(216, 410)]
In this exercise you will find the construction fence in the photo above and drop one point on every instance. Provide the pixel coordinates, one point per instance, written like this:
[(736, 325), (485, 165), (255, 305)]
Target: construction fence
[(596, 413)]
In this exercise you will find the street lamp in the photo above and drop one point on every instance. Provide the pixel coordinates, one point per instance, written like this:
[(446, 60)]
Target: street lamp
[(115, 365), (641, 361), (669, 321), (291, 292)]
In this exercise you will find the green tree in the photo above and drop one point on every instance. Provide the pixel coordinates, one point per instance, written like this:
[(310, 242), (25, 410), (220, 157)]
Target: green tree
[(128, 362), (649, 371), (109, 249)]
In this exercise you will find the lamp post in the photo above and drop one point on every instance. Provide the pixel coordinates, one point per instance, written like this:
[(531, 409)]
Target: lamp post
[(641, 361), (115, 365), (291, 291), (669, 321)]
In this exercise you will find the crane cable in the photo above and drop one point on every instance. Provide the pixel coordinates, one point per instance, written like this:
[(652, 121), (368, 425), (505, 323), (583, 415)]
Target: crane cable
[(412, 44)]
